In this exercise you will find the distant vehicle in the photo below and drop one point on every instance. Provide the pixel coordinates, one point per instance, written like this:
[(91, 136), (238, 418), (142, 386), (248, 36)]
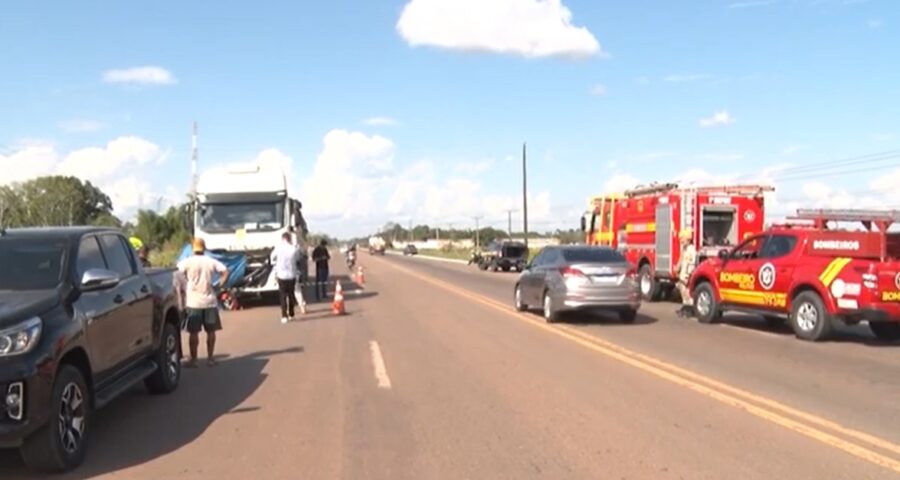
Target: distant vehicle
[(644, 224), (813, 275), (246, 211), (376, 246), (81, 322), (579, 278), (410, 249), (504, 255)]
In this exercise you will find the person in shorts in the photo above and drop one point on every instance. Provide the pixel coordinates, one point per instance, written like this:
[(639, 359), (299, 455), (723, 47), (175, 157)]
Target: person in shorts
[(201, 305)]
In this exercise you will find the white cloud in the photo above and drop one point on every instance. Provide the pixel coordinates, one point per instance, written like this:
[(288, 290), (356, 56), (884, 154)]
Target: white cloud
[(599, 90), (27, 162), (380, 122), (527, 28), (619, 182), (345, 177), (149, 75), (81, 126), (717, 119), (98, 163), (682, 78)]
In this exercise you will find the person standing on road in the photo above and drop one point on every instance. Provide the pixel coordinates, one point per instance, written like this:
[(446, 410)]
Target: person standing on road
[(685, 268), (321, 256), (144, 256), (201, 306), (285, 256)]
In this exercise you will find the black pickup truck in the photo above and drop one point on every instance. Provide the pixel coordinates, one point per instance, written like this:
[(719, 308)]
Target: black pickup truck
[(502, 255), (80, 323)]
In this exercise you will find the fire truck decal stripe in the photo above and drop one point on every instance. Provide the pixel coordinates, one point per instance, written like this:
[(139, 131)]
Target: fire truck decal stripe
[(833, 270), (640, 227), (753, 297)]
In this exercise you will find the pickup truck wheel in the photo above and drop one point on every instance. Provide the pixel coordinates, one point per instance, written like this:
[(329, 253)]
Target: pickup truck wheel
[(705, 304), (168, 358), (885, 331), (809, 318), (60, 445)]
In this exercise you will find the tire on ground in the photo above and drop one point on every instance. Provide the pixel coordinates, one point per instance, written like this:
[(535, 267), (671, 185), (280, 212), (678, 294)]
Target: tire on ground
[(551, 315), (654, 291), (163, 381), (702, 292), (43, 450), (809, 302)]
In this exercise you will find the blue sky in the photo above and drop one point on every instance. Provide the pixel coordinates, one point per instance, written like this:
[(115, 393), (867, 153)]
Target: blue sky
[(605, 93)]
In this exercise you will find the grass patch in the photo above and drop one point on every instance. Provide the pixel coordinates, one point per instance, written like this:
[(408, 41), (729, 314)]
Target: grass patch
[(454, 254)]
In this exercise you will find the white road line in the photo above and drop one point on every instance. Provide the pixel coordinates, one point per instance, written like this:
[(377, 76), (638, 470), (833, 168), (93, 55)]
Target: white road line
[(380, 370)]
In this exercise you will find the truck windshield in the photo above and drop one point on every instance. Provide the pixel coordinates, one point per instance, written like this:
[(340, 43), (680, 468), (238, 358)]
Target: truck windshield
[(230, 217), (30, 264), (513, 251)]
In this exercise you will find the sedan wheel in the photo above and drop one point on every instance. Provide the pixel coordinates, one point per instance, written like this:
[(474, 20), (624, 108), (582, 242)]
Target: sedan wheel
[(550, 313), (520, 305)]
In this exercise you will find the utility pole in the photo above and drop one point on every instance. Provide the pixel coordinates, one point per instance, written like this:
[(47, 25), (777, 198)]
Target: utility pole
[(525, 195), (477, 232)]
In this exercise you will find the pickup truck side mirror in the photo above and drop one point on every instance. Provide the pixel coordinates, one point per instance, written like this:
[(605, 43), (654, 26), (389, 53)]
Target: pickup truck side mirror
[(99, 279)]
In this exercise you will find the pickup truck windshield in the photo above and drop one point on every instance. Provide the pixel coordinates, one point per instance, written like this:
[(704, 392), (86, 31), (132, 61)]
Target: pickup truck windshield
[(513, 251), (230, 217), (31, 264)]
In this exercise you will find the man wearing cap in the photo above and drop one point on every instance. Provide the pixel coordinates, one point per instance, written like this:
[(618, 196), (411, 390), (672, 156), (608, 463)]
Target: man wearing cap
[(201, 305), (685, 268)]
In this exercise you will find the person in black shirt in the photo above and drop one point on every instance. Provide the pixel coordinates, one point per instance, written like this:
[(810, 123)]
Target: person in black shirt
[(321, 256)]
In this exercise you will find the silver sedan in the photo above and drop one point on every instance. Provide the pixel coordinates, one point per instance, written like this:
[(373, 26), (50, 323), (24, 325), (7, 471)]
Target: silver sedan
[(577, 278)]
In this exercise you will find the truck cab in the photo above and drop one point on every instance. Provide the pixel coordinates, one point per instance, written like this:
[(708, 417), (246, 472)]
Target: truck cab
[(246, 211)]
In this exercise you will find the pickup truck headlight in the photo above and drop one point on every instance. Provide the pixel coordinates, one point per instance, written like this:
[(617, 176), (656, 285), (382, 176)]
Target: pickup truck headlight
[(20, 338)]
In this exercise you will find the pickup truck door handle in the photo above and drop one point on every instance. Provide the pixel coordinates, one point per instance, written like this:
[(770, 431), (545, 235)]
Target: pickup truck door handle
[(118, 299), (144, 289)]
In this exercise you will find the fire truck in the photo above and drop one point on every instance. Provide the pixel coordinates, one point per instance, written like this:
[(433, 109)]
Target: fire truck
[(644, 223), (812, 272)]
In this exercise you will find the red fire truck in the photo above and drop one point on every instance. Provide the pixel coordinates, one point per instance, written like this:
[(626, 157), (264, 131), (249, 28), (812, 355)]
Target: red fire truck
[(644, 224), (815, 275)]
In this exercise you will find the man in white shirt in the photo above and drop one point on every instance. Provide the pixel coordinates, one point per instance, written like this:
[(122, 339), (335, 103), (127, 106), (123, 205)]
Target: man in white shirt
[(201, 305), (285, 257)]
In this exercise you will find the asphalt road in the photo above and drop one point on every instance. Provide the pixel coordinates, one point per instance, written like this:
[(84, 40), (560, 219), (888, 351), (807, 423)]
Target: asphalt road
[(433, 375)]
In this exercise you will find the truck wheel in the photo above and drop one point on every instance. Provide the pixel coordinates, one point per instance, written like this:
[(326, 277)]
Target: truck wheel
[(705, 304), (506, 269), (520, 305), (482, 266), (885, 331), (168, 359), (649, 286), (809, 318), (550, 313), (60, 445)]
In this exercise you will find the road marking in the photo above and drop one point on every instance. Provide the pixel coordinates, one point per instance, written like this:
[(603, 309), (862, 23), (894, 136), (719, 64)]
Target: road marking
[(754, 404), (381, 376)]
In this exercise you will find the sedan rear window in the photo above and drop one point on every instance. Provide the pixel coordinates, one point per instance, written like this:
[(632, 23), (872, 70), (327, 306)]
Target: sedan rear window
[(593, 255)]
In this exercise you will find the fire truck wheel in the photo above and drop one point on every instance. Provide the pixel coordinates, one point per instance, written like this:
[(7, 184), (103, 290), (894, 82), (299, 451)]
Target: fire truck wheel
[(809, 318), (705, 304), (885, 331), (650, 288)]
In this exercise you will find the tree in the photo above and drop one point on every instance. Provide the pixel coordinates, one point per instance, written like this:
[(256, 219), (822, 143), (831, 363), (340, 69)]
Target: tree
[(54, 201)]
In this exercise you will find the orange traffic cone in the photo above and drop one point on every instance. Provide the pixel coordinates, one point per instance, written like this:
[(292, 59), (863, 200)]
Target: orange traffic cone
[(337, 307), (360, 276)]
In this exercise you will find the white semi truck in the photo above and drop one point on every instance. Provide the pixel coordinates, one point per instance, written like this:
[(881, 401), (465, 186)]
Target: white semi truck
[(245, 211)]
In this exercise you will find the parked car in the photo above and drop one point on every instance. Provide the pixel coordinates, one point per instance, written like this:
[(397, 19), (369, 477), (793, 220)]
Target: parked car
[(81, 322), (579, 278), (505, 255), (410, 249)]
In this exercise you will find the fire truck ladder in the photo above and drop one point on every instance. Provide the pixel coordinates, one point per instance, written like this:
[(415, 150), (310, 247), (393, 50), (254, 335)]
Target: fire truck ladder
[(882, 219), (607, 237)]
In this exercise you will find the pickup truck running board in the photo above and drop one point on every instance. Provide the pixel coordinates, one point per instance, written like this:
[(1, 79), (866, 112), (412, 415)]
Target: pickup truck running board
[(113, 390)]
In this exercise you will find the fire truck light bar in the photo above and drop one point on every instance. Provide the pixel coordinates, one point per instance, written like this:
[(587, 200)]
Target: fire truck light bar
[(849, 215)]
